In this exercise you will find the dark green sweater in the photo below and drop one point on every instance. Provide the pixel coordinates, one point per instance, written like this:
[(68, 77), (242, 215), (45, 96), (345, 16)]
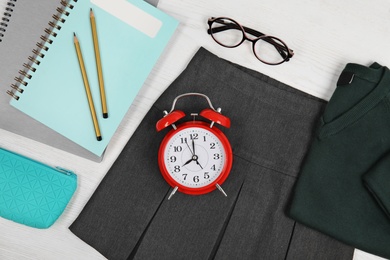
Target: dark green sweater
[(344, 186)]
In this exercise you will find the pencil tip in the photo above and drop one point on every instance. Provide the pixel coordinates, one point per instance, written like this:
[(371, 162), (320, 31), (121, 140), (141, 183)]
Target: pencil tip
[(105, 115), (74, 34), (99, 138)]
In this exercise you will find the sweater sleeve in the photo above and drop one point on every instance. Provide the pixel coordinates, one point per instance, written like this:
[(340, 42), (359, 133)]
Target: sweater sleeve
[(377, 181)]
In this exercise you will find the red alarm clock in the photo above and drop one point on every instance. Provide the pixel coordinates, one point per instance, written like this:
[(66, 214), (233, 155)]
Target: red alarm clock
[(195, 157)]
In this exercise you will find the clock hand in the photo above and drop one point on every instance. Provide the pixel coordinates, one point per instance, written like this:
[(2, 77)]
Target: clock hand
[(198, 163), (187, 162), (192, 152), (193, 146), (195, 157)]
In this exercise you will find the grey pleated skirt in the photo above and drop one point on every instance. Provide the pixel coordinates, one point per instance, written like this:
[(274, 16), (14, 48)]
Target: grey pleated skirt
[(130, 217)]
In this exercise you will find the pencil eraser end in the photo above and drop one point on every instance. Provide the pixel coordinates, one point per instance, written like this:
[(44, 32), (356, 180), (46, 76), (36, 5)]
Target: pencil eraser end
[(99, 138), (105, 115)]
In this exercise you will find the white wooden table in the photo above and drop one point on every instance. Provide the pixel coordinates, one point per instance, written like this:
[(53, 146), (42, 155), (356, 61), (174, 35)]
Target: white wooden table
[(325, 35)]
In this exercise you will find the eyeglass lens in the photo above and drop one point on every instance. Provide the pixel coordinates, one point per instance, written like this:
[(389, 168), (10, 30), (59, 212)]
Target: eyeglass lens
[(270, 50), (229, 33)]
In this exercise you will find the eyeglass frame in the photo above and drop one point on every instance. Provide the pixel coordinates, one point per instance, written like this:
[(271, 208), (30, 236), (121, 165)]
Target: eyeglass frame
[(282, 50)]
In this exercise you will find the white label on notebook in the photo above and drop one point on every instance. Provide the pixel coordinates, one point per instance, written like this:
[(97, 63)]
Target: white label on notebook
[(132, 15)]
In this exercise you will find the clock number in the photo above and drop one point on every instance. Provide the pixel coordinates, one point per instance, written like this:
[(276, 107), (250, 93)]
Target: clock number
[(177, 149), (206, 175), (216, 156), (204, 138), (176, 168), (196, 178), (185, 175), (172, 159), (212, 145), (183, 140), (194, 136), (213, 167)]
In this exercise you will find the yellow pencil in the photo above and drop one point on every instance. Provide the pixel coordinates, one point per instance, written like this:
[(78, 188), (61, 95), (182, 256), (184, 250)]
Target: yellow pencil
[(87, 88), (98, 64)]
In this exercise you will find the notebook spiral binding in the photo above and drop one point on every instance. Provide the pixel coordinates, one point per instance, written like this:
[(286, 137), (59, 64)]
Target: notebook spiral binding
[(6, 18), (42, 46)]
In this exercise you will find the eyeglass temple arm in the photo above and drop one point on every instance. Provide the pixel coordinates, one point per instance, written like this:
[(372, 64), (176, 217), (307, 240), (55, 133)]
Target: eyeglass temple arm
[(281, 49)]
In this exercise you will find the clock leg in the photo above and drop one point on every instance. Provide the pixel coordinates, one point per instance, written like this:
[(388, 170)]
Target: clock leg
[(173, 192), (220, 189)]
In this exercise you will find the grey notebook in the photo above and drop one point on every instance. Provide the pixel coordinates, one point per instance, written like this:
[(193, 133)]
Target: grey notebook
[(23, 23)]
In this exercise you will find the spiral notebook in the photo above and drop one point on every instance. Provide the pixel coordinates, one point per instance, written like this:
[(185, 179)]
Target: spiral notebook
[(40, 69)]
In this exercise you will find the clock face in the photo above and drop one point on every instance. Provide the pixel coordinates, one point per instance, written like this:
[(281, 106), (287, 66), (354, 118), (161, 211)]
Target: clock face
[(195, 157)]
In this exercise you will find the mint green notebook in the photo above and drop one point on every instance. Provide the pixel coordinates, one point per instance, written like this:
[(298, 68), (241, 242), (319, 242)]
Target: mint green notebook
[(132, 35)]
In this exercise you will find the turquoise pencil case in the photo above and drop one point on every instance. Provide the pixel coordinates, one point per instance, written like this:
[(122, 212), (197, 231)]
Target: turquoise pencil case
[(32, 193)]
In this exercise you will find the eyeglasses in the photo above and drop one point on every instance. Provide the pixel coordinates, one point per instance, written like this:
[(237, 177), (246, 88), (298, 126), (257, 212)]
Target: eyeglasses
[(229, 33)]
